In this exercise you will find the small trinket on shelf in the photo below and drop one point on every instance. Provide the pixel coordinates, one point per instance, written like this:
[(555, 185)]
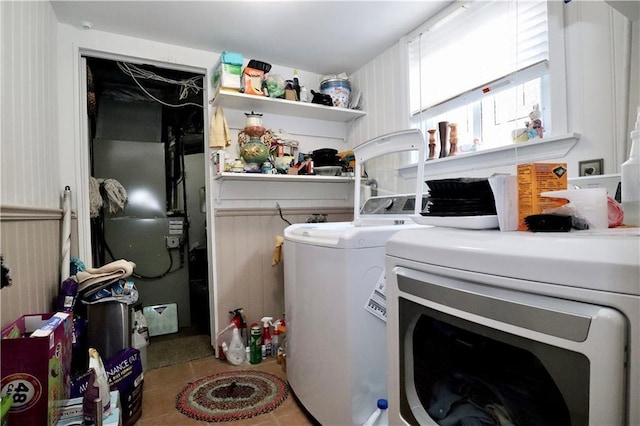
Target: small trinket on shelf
[(453, 139), (443, 129), (534, 127), (432, 144)]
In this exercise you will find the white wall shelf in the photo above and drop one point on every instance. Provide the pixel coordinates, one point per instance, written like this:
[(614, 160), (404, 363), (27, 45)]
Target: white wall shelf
[(258, 191), (526, 152), (281, 177), (262, 104)]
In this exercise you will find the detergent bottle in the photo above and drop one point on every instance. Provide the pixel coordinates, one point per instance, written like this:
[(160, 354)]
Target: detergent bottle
[(234, 352), (101, 380), (255, 351), (266, 334)]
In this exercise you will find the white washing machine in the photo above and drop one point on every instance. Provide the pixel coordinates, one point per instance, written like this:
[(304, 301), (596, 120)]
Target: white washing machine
[(529, 328), (334, 288)]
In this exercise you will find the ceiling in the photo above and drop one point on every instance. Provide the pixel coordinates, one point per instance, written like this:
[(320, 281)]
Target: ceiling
[(324, 37)]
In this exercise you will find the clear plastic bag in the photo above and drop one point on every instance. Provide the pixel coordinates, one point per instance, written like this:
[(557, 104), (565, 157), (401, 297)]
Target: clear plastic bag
[(275, 85)]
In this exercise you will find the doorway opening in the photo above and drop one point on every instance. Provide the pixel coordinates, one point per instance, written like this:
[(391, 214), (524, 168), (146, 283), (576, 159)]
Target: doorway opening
[(146, 144)]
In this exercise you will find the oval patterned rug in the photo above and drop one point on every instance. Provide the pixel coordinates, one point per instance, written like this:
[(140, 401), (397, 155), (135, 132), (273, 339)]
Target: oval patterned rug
[(232, 395)]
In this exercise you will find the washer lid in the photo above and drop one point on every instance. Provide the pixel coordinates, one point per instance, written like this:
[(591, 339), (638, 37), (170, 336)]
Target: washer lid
[(600, 259), (343, 235), (378, 171)]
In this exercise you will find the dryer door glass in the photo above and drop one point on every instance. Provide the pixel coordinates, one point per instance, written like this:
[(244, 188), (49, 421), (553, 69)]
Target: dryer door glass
[(474, 353)]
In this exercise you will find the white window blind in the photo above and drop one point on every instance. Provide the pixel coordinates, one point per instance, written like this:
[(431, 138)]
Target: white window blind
[(474, 49)]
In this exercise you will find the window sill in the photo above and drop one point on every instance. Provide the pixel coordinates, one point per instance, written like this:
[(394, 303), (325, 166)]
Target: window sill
[(511, 155)]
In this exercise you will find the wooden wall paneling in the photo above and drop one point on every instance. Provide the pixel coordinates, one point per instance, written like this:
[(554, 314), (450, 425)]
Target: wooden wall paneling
[(31, 251), (246, 279), (29, 172)]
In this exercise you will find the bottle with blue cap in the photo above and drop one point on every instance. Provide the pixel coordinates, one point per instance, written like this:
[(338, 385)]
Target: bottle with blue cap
[(380, 417)]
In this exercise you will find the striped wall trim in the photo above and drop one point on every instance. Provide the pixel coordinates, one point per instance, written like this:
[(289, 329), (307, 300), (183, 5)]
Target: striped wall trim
[(25, 213), (285, 211)]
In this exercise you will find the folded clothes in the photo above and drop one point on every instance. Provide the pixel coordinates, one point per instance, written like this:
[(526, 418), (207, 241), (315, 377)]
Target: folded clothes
[(94, 279), (121, 291)]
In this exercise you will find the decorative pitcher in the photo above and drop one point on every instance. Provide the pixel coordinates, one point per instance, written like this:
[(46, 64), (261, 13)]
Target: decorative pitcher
[(253, 125)]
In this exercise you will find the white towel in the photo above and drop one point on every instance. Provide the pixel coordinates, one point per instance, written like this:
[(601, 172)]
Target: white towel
[(107, 274), (219, 130)]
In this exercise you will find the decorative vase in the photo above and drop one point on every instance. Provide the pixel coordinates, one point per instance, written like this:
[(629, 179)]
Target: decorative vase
[(432, 144), (254, 151), (442, 132), (453, 139)]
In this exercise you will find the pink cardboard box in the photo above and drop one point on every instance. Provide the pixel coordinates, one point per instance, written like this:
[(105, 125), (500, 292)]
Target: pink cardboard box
[(35, 354)]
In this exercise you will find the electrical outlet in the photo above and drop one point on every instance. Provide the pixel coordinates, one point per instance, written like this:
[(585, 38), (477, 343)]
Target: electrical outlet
[(173, 241)]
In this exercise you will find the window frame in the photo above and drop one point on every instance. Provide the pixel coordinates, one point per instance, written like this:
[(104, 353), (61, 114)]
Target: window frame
[(555, 116)]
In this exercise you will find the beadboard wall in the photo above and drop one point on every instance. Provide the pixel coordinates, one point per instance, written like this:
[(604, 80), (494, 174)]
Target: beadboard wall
[(29, 171), (606, 70), (30, 241), (245, 242), (384, 90), (30, 188)]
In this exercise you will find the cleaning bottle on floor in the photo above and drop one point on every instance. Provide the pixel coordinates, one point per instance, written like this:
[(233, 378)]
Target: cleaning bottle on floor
[(256, 351), (101, 381), (238, 320), (275, 342), (380, 416), (234, 352), (282, 341), (266, 334)]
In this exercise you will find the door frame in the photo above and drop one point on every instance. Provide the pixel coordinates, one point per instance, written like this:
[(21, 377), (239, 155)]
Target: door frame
[(81, 152)]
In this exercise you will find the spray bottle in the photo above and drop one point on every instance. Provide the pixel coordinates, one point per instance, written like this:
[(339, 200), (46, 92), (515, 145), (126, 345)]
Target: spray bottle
[(630, 179), (255, 352), (279, 337), (266, 335), (275, 342)]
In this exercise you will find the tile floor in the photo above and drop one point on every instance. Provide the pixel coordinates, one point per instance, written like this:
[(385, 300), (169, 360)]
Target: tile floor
[(161, 385)]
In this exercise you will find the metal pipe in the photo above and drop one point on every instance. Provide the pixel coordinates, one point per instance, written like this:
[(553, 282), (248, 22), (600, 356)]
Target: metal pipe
[(66, 234)]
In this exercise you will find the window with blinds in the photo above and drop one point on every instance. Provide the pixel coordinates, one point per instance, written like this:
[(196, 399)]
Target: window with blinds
[(483, 66)]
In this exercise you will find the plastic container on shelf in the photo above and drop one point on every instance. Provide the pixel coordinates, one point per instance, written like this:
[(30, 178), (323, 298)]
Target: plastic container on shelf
[(630, 178), (380, 417), (338, 88)]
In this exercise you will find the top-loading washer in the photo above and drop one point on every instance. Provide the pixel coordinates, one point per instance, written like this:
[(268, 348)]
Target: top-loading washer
[(514, 327), (334, 287)]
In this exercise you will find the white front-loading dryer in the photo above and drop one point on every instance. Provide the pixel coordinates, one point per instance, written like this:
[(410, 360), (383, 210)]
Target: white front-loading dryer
[(527, 328)]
